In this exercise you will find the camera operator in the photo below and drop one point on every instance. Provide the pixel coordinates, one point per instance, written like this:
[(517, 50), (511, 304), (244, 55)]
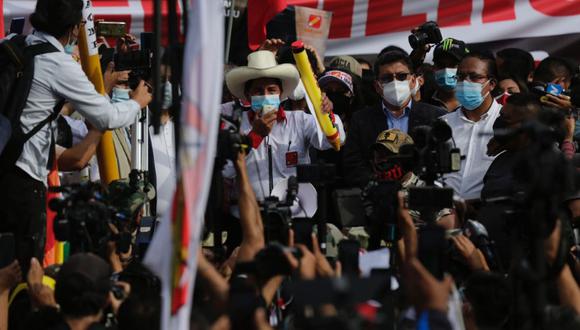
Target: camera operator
[(472, 125), (389, 167), (280, 139), (56, 76)]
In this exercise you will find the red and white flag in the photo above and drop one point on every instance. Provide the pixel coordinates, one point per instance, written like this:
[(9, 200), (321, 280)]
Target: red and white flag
[(260, 12), (173, 251)]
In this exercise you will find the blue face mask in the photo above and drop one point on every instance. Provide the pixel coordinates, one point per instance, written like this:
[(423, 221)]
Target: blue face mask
[(469, 94), (264, 104), (69, 48), (445, 78), (120, 95), (167, 95)]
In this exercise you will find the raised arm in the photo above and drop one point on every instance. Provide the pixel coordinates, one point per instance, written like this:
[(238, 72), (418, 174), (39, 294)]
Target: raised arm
[(250, 218)]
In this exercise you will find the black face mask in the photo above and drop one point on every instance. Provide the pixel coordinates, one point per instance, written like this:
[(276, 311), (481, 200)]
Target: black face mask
[(340, 102)]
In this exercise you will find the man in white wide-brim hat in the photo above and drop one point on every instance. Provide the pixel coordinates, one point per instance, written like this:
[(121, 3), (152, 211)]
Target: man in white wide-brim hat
[(280, 138)]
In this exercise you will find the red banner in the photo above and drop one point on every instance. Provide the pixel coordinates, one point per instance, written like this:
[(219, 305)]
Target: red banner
[(366, 26)]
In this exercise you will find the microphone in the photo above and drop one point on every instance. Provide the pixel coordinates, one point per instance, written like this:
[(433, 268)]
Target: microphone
[(292, 190)]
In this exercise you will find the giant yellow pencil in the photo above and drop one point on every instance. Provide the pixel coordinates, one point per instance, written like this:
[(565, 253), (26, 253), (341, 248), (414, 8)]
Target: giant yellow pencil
[(89, 54), (314, 93)]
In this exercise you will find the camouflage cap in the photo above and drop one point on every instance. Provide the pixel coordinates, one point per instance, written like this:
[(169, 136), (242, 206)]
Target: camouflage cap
[(393, 140), (126, 199), (346, 63)]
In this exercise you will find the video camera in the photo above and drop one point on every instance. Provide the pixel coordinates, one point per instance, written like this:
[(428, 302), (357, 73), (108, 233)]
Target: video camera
[(83, 218), (427, 33), (88, 218), (276, 214)]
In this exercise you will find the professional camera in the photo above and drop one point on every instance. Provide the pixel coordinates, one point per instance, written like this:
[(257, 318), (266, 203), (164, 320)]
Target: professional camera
[(276, 214), (427, 33), (138, 62), (380, 201), (230, 139), (83, 217), (89, 216), (436, 156)]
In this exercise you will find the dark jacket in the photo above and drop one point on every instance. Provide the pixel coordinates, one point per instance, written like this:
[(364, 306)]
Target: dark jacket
[(365, 126)]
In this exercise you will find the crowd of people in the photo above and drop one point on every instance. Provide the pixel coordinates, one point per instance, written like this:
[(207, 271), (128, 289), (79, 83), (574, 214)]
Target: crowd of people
[(451, 203)]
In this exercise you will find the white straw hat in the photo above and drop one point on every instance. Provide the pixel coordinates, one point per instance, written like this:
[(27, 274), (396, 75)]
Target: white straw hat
[(262, 64)]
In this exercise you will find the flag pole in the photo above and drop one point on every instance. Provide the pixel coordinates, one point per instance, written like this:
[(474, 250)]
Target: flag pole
[(156, 71), (91, 64), (229, 31)]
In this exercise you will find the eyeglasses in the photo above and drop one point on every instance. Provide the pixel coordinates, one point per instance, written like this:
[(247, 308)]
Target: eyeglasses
[(472, 76), (387, 78)]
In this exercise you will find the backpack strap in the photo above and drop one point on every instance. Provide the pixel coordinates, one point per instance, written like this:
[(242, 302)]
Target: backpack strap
[(39, 126), (31, 52), (39, 49)]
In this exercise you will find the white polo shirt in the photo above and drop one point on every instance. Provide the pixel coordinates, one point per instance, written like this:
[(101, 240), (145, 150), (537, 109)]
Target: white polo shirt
[(288, 138), (57, 76), (471, 138)]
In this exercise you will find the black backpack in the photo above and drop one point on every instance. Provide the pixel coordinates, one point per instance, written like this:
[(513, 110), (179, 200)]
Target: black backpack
[(16, 74)]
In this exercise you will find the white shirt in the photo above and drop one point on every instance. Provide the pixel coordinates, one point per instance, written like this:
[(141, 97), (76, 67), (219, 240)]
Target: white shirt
[(163, 146), (57, 76), (471, 138), (295, 134)]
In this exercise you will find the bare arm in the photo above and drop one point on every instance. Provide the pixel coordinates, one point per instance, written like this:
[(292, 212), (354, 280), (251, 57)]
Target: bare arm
[(250, 218), (568, 290), (217, 284), (79, 155)]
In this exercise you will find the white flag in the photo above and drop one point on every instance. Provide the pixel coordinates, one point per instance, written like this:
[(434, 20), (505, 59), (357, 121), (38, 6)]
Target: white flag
[(172, 254)]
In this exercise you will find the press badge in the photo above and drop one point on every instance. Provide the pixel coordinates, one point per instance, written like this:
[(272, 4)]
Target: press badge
[(291, 159)]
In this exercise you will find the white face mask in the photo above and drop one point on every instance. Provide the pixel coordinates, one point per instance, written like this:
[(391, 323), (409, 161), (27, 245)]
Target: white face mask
[(397, 92), (416, 88)]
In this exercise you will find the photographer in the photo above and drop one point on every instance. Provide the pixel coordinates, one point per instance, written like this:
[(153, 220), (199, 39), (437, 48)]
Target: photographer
[(56, 76), (390, 169)]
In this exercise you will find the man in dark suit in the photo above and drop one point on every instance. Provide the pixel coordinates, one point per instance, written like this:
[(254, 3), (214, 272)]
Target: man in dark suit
[(395, 82)]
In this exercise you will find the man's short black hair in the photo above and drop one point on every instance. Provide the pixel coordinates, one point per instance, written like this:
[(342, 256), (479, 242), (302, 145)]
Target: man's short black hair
[(552, 68), (392, 48), (488, 59), (516, 62), (392, 57), (56, 17), (82, 285)]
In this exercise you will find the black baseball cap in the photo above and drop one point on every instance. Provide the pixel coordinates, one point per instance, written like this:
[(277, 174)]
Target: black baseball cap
[(453, 47)]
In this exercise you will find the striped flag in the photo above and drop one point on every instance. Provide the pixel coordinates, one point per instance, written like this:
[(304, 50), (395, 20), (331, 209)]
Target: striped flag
[(173, 251)]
